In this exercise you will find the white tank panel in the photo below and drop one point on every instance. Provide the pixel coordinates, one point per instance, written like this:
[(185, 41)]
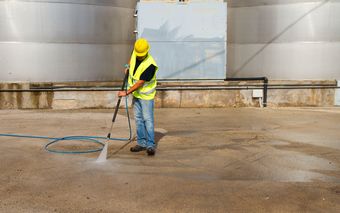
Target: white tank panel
[(66, 40), (284, 39)]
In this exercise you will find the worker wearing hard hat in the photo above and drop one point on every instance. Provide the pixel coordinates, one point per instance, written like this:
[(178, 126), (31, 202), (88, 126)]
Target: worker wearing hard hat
[(142, 84)]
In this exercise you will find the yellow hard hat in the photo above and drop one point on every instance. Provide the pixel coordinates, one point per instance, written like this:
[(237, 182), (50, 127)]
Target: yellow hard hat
[(141, 47)]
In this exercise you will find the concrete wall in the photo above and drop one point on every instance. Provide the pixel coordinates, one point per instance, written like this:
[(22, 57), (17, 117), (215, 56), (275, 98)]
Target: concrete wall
[(337, 95), (278, 97)]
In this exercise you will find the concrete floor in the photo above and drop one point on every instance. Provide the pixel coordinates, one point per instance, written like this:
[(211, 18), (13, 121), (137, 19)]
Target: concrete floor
[(208, 160)]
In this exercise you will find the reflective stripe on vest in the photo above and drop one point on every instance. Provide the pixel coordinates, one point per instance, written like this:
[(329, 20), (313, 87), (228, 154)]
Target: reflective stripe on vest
[(148, 90)]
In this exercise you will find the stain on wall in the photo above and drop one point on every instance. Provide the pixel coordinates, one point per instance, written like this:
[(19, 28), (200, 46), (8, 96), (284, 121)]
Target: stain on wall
[(165, 98)]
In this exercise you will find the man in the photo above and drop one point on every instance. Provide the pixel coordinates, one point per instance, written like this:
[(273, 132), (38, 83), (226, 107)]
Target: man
[(142, 84)]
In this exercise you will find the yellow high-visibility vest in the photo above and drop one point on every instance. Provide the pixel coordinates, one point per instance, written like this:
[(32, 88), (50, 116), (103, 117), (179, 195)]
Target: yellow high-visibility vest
[(148, 90)]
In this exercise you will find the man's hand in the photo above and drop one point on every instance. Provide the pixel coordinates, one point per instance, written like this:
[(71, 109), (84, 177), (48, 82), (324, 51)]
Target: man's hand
[(126, 70), (136, 86), (122, 94)]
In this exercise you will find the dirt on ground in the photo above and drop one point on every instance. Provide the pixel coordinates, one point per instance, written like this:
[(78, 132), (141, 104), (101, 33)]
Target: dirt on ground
[(207, 160)]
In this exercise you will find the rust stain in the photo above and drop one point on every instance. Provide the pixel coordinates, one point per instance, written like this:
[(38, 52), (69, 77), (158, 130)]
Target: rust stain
[(35, 98), (282, 98), (10, 97), (19, 96), (2, 97), (50, 97)]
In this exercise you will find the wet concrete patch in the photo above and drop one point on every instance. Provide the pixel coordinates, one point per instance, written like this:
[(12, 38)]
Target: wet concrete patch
[(240, 160)]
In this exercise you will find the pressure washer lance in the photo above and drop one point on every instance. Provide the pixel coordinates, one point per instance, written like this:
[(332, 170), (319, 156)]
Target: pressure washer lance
[(103, 154)]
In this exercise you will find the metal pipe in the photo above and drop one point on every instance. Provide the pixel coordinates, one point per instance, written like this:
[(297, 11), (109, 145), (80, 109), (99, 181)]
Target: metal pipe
[(247, 79), (297, 85), (164, 89), (177, 86), (327, 87), (189, 80), (265, 91), (159, 87)]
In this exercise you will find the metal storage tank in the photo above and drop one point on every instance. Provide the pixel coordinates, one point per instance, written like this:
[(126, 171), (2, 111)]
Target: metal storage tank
[(284, 39), (90, 40), (65, 40)]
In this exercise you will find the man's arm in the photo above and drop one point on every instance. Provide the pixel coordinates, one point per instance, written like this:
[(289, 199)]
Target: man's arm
[(137, 85), (126, 70), (146, 76)]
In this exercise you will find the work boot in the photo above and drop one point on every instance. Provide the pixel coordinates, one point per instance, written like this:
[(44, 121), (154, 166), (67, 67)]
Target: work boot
[(151, 151), (137, 148)]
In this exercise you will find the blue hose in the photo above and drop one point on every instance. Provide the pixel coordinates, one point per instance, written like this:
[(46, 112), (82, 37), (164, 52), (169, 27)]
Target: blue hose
[(92, 139)]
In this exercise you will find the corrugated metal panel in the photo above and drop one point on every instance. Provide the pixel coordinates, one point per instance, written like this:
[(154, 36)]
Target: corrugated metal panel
[(188, 41)]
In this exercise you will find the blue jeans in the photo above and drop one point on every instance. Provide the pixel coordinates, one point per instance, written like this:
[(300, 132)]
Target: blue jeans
[(144, 117)]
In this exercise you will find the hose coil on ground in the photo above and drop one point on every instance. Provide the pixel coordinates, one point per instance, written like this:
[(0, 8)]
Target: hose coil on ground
[(91, 139)]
